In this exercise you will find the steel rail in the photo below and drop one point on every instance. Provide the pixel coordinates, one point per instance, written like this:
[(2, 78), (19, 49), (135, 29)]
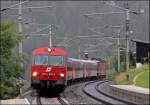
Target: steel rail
[(105, 95), (38, 100), (62, 101), (96, 98)]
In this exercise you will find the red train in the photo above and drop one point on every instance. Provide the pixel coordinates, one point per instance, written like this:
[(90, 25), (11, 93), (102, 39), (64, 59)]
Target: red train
[(79, 68), (51, 67)]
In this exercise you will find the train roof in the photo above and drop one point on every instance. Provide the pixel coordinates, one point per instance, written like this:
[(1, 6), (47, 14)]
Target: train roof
[(47, 51), (82, 61)]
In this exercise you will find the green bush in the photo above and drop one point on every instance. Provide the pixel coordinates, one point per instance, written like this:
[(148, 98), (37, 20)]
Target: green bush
[(122, 66), (9, 63)]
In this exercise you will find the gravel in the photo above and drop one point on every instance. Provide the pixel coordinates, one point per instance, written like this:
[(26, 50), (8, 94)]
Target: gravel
[(74, 95)]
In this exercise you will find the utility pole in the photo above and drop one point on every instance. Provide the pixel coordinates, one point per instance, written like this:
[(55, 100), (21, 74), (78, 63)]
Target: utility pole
[(109, 74), (79, 52), (20, 20), (118, 42), (4, 9), (127, 13), (50, 36), (20, 28), (20, 43)]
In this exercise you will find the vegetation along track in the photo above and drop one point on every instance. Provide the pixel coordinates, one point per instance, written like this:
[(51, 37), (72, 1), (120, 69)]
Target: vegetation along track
[(91, 89)]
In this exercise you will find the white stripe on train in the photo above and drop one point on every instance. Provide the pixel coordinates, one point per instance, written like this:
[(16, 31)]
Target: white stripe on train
[(82, 61)]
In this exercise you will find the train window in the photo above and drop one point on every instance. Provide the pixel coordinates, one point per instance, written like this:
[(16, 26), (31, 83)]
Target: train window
[(56, 60), (41, 60)]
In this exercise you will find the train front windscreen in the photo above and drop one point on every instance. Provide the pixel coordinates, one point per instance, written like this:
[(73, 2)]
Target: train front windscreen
[(52, 60)]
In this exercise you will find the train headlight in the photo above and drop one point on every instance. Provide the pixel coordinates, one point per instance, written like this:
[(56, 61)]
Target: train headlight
[(34, 74), (49, 50), (62, 75)]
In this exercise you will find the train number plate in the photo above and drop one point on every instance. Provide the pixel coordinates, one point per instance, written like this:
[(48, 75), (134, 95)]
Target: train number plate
[(48, 74)]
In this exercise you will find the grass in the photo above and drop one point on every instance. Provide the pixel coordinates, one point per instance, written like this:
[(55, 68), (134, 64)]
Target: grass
[(26, 87), (111, 73), (142, 80)]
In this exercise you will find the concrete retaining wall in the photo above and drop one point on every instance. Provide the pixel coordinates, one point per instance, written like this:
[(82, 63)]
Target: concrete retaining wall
[(137, 97), (15, 102)]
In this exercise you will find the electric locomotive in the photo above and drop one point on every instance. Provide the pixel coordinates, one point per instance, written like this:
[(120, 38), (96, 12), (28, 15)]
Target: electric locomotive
[(49, 68)]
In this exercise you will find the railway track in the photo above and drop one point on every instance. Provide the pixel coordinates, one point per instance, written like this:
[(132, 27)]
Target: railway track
[(61, 100), (35, 98), (51, 101), (91, 89)]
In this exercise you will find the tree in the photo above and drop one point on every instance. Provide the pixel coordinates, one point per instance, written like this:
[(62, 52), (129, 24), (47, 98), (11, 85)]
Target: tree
[(9, 64)]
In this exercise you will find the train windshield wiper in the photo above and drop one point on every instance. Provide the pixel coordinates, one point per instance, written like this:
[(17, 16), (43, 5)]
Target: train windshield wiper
[(44, 64), (58, 64)]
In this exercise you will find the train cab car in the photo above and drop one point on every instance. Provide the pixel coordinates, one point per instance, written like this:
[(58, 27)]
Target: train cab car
[(49, 68)]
